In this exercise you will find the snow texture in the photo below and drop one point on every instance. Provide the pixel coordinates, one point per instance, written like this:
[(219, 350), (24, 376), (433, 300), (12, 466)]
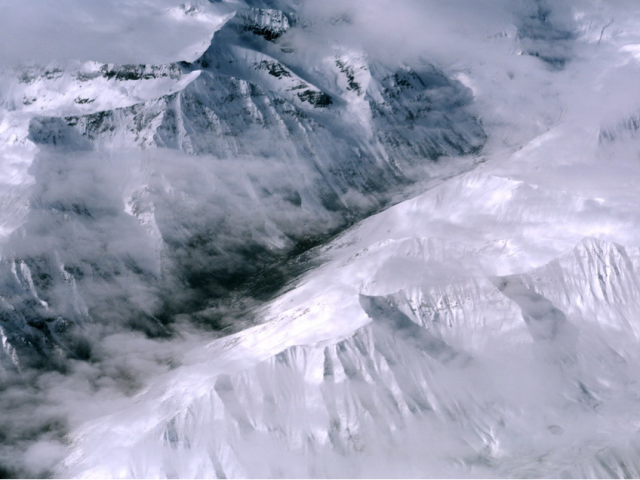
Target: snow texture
[(354, 240)]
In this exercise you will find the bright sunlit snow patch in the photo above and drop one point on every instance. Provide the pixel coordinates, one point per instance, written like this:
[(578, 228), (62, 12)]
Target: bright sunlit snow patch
[(633, 50)]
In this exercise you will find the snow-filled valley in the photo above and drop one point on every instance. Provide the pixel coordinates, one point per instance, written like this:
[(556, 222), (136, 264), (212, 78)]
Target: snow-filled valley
[(355, 239)]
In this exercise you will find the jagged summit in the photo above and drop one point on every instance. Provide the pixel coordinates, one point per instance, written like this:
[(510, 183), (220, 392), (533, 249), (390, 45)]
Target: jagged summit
[(287, 151)]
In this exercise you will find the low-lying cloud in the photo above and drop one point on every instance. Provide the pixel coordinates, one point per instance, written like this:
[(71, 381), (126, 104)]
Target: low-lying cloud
[(119, 31), (221, 209)]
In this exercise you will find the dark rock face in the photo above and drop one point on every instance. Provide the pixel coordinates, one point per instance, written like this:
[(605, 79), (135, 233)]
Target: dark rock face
[(267, 23), (544, 38), (198, 202)]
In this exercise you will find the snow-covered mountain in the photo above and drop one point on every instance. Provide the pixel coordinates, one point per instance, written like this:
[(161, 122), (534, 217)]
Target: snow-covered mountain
[(327, 240), (411, 353), (195, 177)]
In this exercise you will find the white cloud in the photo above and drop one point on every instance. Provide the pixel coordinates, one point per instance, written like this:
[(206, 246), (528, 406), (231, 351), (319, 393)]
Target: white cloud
[(115, 31), (517, 96)]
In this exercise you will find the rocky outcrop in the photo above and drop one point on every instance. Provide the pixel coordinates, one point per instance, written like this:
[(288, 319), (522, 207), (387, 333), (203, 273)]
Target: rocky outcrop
[(224, 168)]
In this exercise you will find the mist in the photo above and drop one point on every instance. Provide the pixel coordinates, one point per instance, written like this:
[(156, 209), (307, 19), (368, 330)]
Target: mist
[(134, 32), (219, 276)]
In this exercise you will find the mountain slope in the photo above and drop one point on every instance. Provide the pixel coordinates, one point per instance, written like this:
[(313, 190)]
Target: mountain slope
[(195, 177), (334, 239)]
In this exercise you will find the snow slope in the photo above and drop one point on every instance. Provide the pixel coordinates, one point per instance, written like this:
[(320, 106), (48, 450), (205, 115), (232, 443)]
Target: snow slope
[(460, 359), (484, 325)]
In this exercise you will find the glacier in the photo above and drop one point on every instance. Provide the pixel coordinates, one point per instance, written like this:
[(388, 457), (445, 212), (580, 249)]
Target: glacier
[(326, 241)]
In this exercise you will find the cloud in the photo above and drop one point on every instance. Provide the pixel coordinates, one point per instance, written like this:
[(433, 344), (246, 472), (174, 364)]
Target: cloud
[(117, 31), (37, 409), (408, 29), (227, 205)]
